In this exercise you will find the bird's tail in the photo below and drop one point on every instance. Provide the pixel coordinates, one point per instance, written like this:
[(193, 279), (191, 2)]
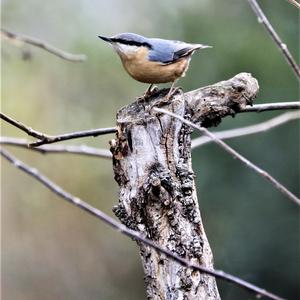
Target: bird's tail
[(200, 46)]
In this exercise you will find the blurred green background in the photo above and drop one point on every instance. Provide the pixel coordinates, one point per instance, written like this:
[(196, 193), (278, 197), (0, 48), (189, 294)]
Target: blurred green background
[(51, 250)]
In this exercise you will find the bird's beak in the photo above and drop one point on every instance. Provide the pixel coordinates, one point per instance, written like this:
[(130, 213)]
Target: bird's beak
[(106, 39)]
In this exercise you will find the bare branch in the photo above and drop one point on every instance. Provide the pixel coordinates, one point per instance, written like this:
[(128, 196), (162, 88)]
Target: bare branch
[(48, 139), (236, 155), (44, 149), (129, 232), (271, 106), (73, 135), (261, 127), (23, 127), (43, 45), (283, 47), (294, 2)]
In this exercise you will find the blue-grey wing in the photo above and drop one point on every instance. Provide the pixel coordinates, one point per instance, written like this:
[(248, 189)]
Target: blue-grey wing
[(166, 52)]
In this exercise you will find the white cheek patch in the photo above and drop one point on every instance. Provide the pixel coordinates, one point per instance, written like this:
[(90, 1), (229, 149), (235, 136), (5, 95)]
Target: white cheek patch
[(126, 49)]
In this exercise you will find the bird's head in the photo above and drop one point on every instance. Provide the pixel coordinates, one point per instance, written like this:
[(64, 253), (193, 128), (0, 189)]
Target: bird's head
[(127, 43)]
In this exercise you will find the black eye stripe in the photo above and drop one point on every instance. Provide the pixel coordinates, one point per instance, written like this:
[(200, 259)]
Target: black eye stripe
[(131, 43)]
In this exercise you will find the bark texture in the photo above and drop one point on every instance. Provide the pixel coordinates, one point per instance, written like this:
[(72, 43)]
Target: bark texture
[(152, 165)]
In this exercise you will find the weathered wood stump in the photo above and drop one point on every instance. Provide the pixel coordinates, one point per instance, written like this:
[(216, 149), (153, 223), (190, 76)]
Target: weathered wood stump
[(152, 165)]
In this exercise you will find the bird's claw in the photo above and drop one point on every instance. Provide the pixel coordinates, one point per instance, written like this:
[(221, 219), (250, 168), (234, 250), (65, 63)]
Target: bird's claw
[(172, 92), (150, 91)]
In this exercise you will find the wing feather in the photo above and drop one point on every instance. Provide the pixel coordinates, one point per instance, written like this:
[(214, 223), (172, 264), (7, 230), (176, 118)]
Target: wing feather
[(168, 52)]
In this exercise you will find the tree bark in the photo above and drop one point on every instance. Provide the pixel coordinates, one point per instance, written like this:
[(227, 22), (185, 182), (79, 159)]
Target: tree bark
[(152, 165)]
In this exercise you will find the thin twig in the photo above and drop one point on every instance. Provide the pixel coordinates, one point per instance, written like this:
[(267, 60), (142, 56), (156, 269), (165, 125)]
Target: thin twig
[(236, 155), (283, 47), (271, 106), (43, 45), (48, 139), (237, 132), (128, 232), (23, 127), (44, 149), (73, 135), (294, 2)]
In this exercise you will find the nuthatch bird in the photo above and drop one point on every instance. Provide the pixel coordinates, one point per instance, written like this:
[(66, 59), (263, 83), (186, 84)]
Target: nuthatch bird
[(152, 60)]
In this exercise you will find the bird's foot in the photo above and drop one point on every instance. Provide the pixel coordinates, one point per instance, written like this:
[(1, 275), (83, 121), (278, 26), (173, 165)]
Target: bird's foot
[(151, 90), (148, 94), (166, 99), (172, 92)]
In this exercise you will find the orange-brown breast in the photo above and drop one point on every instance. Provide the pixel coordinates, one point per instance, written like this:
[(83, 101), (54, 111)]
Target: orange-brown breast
[(140, 68)]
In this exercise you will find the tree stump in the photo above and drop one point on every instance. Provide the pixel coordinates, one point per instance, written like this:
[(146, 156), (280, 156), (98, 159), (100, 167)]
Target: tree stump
[(153, 167)]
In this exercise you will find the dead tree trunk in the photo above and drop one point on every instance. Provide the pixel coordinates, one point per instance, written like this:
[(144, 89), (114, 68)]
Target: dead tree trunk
[(152, 165)]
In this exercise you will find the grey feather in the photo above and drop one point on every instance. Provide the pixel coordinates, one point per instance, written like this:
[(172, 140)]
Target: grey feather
[(167, 51)]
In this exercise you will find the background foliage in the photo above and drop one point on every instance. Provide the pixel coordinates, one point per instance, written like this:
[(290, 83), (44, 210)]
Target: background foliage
[(51, 250)]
